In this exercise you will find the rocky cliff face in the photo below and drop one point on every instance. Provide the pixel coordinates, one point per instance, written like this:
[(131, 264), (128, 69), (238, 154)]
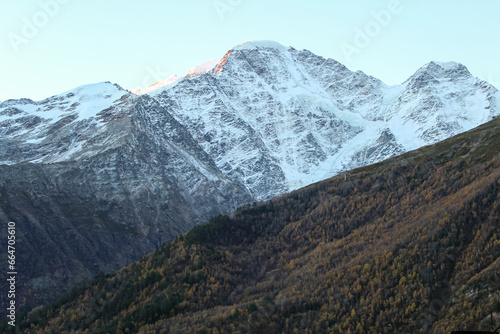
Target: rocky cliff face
[(97, 176), (91, 193), (268, 112)]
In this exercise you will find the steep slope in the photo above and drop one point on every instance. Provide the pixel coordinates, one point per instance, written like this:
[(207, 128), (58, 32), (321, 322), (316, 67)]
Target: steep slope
[(272, 112), (409, 245), (94, 187)]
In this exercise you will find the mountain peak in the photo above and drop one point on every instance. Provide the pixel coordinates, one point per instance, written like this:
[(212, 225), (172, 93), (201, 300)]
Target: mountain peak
[(438, 69), (253, 45), (446, 65)]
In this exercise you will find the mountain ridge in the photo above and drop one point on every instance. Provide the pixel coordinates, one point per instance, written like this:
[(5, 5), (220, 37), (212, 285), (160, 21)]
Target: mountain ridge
[(291, 83)]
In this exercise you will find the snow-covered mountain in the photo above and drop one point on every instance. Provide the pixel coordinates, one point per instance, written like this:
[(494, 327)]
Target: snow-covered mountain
[(106, 123), (96, 176), (276, 119), (271, 118), (268, 117)]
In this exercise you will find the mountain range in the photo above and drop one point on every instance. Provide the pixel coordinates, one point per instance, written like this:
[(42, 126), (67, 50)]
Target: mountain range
[(98, 176)]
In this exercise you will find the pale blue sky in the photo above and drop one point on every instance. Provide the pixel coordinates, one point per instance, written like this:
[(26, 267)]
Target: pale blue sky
[(136, 43)]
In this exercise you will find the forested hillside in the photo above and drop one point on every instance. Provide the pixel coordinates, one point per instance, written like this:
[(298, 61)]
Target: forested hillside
[(409, 245)]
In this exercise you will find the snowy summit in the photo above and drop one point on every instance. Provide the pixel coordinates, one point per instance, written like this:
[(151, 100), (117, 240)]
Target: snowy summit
[(253, 45)]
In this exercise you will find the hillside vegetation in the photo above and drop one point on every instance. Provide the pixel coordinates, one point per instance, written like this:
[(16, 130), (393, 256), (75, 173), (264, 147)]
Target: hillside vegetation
[(409, 245)]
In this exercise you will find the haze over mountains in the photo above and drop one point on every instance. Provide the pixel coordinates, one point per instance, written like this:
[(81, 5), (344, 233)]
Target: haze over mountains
[(97, 176)]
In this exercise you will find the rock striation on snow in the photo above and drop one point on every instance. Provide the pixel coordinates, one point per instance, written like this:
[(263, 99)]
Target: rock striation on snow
[(275, 119)]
